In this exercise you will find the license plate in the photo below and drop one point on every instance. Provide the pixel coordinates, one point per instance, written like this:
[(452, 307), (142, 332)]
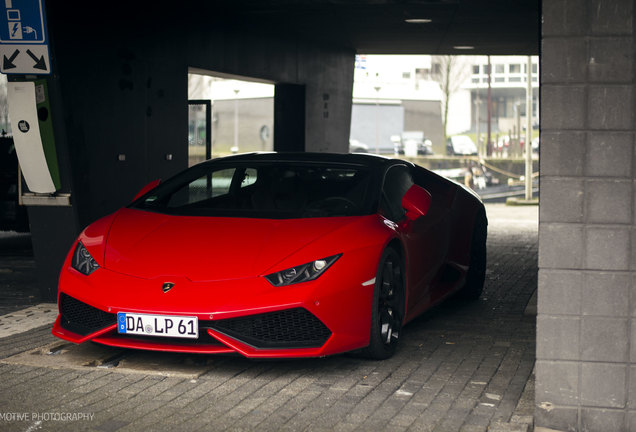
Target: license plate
[(158, 325)]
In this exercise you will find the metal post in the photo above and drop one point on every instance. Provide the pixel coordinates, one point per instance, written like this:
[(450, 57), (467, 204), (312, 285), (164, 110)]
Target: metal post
[(518, 141), (377, 119), (480, 150), (528, 145), (236, 116), (488, 146)]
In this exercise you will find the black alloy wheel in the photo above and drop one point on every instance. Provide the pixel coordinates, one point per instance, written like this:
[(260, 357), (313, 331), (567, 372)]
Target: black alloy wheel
[(388, 306)]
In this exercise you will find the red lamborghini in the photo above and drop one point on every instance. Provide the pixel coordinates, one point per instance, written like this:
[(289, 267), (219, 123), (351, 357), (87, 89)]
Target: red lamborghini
[(275, 255)]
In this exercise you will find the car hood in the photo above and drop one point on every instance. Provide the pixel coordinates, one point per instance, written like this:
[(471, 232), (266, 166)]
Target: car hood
[(148, 245)]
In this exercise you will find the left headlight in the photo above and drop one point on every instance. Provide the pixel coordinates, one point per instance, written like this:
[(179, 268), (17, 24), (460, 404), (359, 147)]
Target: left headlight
[(82, 261), (302, 273)]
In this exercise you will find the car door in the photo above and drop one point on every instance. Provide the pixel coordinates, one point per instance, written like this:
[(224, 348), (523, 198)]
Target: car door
[(419, 238)]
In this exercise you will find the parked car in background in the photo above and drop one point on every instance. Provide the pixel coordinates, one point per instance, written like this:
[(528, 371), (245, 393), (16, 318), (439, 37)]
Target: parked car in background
[(535, 145), (356, 146), (382, 147), (460, 145), (412, 143)]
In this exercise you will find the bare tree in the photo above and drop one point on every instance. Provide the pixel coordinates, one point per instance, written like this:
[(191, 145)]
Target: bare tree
[(450, 72)]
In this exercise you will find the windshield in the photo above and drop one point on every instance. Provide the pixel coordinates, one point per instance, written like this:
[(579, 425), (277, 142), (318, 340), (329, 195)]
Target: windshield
[(279, 190)]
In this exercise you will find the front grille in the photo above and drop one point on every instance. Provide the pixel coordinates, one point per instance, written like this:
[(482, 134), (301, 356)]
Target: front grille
[(83, 319), (204, 338), (290, 328)]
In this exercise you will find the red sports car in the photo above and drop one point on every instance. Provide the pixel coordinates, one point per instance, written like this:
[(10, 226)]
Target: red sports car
[(275, 255)]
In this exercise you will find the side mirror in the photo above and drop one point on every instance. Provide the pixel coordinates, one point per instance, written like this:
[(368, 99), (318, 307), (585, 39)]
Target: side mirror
[(150, 186), (416, 202)]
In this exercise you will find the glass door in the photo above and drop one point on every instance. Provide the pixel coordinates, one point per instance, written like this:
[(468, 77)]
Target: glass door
[(199, 131)]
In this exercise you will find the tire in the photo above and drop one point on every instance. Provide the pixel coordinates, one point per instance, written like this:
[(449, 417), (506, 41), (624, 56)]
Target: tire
[(476, 275), (387, 311)]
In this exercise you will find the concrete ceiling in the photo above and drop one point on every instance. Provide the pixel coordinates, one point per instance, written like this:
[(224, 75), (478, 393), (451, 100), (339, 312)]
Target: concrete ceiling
[(497, 27)]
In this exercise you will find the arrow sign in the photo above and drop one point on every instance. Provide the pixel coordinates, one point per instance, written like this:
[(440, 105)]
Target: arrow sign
[(39, 63), (8, 62)]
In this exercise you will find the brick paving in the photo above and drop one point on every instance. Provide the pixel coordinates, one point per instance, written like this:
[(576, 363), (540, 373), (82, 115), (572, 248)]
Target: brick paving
[(460, 367)]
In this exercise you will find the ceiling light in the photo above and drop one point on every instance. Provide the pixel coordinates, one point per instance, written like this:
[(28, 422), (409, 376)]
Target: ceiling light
[(464, 47), (418, 20)]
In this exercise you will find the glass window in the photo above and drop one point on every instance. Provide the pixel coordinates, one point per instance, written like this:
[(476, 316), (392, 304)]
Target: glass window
[(499, 68), (397, 181), (249, 177), (475, 69), (205, 187), (267, 190), (515, 68)]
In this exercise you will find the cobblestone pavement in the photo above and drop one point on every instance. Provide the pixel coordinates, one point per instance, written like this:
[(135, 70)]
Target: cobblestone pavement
[(465, 368)]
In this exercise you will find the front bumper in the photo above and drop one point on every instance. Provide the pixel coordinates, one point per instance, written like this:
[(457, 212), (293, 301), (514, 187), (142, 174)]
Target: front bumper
[(246, 316)]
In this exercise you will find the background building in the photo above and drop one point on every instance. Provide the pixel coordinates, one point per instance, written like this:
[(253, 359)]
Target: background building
[(508, 82)]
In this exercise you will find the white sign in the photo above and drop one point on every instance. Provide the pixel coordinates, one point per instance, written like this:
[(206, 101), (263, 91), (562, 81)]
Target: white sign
[(25, 59)]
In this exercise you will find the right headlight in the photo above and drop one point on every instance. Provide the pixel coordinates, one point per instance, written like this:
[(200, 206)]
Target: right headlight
[(82, 261), (302, 273)]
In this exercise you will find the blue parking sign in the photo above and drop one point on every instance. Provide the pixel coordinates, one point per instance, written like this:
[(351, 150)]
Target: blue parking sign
[(23, 37), (22, 22)]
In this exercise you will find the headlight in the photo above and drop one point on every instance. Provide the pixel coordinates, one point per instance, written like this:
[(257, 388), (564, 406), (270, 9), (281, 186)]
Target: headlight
[(302, 273), (82, 261)]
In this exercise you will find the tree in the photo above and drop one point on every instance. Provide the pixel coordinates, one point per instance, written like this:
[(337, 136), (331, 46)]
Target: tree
[(451, 73)]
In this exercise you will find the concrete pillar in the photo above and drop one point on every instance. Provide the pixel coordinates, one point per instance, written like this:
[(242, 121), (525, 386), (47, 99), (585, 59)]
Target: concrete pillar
[(289, 118), (586, 324)]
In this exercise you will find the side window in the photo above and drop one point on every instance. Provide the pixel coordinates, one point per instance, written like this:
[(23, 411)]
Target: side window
[(221, 182), (249, 178), (397, 181)]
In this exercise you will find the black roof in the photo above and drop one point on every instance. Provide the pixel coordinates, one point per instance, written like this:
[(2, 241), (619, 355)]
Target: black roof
[(369, 160)]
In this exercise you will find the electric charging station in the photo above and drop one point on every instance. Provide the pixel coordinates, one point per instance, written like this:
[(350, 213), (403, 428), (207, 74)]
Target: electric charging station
[(25, 56)]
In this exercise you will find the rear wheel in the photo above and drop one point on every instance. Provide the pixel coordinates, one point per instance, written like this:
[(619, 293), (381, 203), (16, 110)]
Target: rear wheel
[(388, 306), (477, 268)]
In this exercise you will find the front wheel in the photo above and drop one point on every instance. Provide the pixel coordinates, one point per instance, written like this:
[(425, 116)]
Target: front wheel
[(388, 306)]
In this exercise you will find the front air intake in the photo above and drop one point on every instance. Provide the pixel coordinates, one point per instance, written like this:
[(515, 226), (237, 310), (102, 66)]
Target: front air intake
[(290, 328), (83, 319)]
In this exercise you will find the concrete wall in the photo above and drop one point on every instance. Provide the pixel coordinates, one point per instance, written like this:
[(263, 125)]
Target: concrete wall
[(586, 329), (119, 94)]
